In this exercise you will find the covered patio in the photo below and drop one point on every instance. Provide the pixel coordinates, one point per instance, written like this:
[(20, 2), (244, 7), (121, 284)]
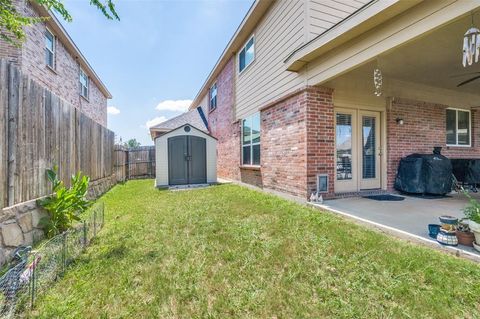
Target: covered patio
[(408, 218), (406, 100)]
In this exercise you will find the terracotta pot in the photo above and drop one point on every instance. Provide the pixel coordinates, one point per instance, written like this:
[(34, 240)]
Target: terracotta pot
[(465, 238)]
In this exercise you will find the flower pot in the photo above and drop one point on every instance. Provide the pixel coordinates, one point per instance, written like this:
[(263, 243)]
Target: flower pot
[(465, 238), (447, 238), (475, 228), (433, 230), (449, 223)]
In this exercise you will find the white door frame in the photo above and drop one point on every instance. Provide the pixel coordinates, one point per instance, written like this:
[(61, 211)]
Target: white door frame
[(357, 183)]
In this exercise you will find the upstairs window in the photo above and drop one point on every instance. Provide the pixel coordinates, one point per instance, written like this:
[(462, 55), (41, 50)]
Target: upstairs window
[(213, 97), (458, 126), (83, 84), (246, 55), (49, 49), (251, 140)]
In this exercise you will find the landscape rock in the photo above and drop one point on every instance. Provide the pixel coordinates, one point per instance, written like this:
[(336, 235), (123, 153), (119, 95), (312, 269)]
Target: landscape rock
[(37, 215), (28, 238), (12, 234), (25, 222)]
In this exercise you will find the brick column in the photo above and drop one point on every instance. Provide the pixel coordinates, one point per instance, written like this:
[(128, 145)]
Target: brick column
[(320, 137)]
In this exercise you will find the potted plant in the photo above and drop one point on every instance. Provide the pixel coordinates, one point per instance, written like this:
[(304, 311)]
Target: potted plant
[(472, 213), (464, 235)]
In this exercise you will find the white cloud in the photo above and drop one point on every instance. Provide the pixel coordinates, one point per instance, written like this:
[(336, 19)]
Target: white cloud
[(155, 121), (174, 105), (113, 110)]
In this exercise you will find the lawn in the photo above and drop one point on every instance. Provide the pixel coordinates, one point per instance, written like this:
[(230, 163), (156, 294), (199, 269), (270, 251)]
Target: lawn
[(231, 252)]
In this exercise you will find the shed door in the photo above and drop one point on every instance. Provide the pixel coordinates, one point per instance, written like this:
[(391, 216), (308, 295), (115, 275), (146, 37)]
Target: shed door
[(197, 161), (177, 160), (187, 163)]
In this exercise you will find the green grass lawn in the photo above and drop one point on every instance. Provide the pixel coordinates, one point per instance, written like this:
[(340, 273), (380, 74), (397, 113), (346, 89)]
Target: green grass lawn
[(231, 252)]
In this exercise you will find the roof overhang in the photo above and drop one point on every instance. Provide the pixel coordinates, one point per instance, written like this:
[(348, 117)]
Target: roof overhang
[(54, 24), (249, 22), (415, 23), (371, 15)]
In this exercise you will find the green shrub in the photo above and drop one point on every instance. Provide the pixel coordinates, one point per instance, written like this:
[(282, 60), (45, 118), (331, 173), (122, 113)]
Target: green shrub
[(66, 204), (472, 210)]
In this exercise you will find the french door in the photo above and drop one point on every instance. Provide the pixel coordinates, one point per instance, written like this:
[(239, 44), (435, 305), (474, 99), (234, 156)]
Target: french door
[(357, 150)]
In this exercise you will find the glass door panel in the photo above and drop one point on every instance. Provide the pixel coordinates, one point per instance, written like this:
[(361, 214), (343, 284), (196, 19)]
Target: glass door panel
[(344, 146), (368, 147)]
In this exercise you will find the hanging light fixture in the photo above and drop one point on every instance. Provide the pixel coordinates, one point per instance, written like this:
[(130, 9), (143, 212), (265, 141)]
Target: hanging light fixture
[(378, 81), (471, 45)]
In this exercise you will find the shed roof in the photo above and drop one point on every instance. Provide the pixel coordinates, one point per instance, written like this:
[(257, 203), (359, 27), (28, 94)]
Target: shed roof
[(192, 117)]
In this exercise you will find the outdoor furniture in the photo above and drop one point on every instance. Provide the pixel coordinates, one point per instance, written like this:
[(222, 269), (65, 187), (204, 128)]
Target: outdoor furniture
[(467, 171)]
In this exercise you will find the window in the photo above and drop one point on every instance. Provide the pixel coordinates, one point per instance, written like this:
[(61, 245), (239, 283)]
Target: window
[(458, 124), (213, 97), (83, 84), (251, 140), (246, 55), (49, 49)]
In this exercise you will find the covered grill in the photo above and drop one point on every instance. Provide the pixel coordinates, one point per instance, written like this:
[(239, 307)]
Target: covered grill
[(424, 174)]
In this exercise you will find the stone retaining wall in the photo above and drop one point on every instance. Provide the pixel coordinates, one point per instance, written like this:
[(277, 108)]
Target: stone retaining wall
[(19, 224)]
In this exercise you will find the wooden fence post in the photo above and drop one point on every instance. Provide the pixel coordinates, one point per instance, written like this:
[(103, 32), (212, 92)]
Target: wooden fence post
[(13, 101)]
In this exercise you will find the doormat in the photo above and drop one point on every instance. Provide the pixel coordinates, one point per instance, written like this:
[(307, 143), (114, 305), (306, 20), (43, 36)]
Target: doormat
[(385, 197)]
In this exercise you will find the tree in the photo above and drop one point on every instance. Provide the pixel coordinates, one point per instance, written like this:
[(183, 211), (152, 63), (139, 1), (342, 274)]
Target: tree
[(12, 22), (132, 143)]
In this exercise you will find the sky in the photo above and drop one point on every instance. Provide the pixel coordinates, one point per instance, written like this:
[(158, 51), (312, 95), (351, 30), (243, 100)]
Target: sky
[(156, 58)]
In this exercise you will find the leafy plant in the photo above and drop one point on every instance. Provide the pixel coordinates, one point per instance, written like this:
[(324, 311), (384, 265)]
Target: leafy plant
[(472, 210), (65, 204), (13, 22)]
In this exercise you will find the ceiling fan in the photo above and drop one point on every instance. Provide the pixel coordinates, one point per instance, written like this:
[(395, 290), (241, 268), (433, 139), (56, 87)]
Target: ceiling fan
[(474, 78)]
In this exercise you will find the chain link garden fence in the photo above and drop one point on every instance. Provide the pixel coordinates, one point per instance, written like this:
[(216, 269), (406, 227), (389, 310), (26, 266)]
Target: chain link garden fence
[(35, 269)]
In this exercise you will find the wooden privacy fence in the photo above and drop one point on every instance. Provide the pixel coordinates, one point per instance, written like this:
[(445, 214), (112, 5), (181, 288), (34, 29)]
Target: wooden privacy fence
[(38, 130), (134, 163)]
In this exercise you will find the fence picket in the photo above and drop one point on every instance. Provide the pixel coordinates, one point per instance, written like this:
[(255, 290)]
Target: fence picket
[(38, 130)]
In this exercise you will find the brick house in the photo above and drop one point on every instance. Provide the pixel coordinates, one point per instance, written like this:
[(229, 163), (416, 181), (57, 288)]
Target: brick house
[(51, 58), (293, 103)]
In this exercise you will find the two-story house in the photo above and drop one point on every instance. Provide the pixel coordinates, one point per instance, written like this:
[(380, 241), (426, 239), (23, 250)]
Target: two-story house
[(51, 58), (328, 95)]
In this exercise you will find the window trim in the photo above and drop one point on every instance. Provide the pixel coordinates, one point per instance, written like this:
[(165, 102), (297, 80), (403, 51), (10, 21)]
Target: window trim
[(456, 127), (251, 145), (243, 48), (54, 44), (210, 108), (81, 85)]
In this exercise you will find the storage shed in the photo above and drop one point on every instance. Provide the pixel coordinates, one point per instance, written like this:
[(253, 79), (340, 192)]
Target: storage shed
[(185, 154)]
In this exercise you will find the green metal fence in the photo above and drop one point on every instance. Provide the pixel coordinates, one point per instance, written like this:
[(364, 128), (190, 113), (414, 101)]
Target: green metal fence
[(36, 269)]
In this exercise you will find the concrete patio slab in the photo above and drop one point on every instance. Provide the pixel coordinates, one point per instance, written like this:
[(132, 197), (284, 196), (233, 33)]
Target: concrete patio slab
[(408, 218)]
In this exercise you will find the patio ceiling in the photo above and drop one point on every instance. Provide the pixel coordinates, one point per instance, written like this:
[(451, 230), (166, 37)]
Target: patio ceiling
[(434, 60)]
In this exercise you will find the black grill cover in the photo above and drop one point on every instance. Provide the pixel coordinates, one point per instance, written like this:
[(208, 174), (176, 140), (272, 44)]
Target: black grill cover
[(424, 174), (409, 176), (467, 170)]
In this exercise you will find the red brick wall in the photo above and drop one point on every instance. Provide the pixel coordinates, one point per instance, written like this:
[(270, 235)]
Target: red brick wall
[(424, 128), (283, 146), (64, 81), (222, 125), (320, 138)]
